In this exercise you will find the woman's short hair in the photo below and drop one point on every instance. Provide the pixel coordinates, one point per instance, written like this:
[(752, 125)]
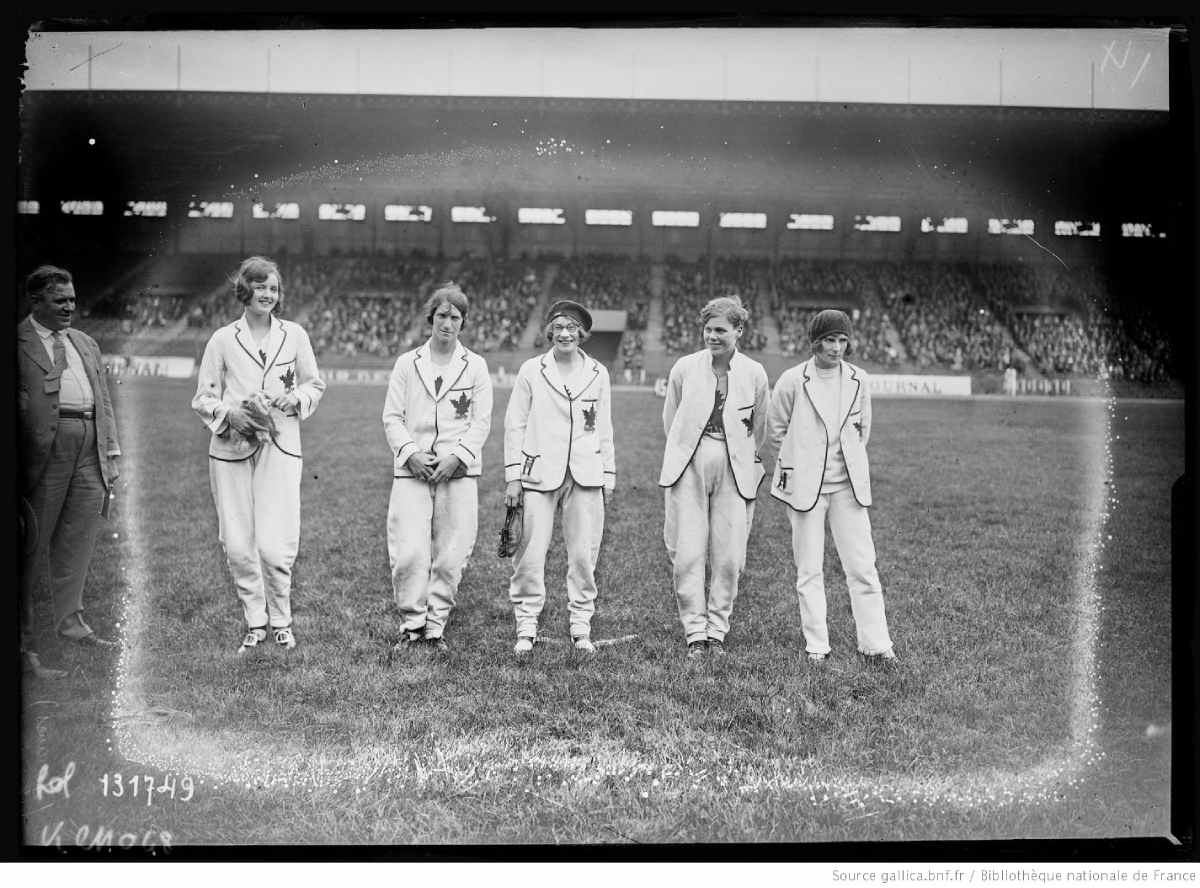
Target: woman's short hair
[(255, 270), (446, 293), (548, 330), (728, 307)]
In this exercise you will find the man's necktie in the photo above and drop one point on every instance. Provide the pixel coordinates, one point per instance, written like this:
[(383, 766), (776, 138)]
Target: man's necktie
[(60, 352)]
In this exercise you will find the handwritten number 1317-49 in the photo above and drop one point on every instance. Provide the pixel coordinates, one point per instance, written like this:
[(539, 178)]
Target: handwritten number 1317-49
[(115, 786)]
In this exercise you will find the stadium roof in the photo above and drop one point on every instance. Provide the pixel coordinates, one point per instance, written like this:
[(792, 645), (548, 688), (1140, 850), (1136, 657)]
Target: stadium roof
[(1093, 68)]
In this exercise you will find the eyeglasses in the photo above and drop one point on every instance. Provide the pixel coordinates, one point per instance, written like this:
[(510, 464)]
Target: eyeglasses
[(565, 328)]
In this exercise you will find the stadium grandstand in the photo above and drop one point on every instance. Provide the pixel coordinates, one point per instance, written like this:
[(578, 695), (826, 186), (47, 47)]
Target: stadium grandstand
[(964, 238)]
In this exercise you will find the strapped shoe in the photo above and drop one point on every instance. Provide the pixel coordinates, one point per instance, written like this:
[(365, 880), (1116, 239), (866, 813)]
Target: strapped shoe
[(253, 639), (817, 659), (696, 650), (716, 647), (437, 645), (523, 646), (284, 638)]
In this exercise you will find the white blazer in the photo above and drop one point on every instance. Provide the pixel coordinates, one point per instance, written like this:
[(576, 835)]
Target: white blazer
[(438, 409), (550, 430), (233, 368), (691, 393), (796, 432)]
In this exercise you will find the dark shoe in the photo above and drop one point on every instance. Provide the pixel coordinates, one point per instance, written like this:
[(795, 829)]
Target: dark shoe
[(76, 629), (32, 664), (696, 650), (716, 648), (437, 645), (408, 642)]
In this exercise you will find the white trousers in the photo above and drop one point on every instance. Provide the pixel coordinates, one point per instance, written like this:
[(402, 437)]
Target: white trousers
[(851, 526), (431, 533), (583, 529), (258, 520), (706, 520)]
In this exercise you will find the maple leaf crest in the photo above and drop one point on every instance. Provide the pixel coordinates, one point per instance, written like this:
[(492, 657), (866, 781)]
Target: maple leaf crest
[(748, 422), (589, 418), (460, 405), (288, 379)]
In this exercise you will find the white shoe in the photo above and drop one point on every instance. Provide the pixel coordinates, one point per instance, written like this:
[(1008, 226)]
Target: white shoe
[(584, 645), (253, 639), (284, 638), (523, 646), (817, 658)]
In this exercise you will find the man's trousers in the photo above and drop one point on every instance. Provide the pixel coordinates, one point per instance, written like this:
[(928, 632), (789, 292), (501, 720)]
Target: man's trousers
[(706, 520), (258, 520), (430, 533), (583, 528), (66, 504), (851, 527)]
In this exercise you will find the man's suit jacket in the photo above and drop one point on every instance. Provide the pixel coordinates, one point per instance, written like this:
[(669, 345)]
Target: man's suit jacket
[(549, 430), (38, 389)]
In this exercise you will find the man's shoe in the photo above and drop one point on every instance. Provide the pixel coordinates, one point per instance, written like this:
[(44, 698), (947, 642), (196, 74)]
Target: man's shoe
[(73, 628), (696, 650), (523, 646), (437, 645), (716, 648), (33, 664), (253, 639), (284, 638), (94, 640), (583, 644)]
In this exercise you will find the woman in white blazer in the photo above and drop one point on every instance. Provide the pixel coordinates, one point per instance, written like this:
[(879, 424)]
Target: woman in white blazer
[(258, 379), (436, 417), (558, 454), (818, 424), (715, 420)]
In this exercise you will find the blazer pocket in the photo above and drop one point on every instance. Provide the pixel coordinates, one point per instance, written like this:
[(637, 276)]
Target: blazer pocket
[(529, 466)]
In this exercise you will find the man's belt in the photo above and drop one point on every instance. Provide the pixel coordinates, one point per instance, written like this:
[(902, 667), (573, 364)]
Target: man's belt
[(71, 413)]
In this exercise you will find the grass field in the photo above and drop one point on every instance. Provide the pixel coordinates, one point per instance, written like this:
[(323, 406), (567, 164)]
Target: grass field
[(1034, 639)]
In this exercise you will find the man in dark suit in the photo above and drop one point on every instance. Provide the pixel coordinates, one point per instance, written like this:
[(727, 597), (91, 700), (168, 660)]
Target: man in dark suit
[(69, 454)]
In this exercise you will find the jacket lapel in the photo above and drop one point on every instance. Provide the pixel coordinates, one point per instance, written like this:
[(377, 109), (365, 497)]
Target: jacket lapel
[(423, 364), (551, 375), (245, 341), (31, 343), (88, 366), (850, 386), (275, 340)]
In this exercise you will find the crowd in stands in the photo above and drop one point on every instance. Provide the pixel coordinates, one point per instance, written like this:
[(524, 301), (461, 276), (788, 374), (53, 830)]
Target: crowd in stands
[(685, 290), (503, 294), (744, 278), (633, 357), (359, 306), (802, 287), (1078, 325), (922, 316), (606, 282)]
